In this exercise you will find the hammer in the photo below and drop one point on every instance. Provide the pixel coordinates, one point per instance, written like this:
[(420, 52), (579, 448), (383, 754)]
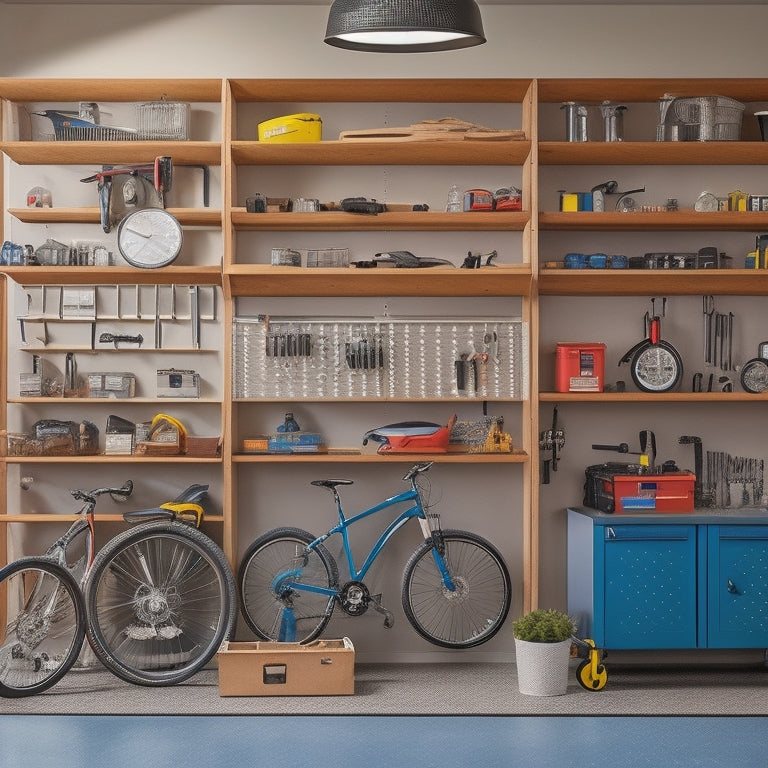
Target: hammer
[(697, 466)]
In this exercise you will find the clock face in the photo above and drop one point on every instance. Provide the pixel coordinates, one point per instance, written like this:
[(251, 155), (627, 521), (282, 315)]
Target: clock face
[(657, 368), (149, 238)]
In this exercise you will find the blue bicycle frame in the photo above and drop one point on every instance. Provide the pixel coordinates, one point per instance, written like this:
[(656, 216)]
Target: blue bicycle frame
[(289, 580)]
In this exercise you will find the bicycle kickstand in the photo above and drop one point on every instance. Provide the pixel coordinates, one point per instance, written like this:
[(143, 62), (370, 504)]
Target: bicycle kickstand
[(389, 619)]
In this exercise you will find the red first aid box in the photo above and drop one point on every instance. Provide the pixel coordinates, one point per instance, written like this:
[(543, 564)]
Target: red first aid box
[(579, 367)]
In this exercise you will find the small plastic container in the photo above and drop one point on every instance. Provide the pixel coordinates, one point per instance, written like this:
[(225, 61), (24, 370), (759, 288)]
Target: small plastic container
[(291, 129)]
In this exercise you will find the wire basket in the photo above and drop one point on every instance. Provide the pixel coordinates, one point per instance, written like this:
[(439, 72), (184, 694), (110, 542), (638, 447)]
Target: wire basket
[(163, 121), (708, 118)]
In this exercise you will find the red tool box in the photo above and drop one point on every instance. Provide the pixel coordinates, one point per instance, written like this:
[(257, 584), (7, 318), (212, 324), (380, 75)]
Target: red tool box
[(579, 367), (621, 488)]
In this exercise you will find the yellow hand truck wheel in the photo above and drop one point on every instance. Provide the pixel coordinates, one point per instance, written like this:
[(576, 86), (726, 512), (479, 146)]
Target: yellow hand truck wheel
[(591, 674)]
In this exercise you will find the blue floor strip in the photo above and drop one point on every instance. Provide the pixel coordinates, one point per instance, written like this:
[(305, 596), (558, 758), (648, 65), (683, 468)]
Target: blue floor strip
[(72, 741)]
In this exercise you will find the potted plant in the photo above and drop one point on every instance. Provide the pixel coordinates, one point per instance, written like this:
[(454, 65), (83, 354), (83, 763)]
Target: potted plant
[(542, 651)]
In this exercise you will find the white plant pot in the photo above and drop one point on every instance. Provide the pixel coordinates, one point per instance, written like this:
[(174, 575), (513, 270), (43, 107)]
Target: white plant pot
[(542, 668)]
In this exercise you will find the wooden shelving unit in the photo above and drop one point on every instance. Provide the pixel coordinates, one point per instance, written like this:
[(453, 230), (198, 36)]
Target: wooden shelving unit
[(243, 275)]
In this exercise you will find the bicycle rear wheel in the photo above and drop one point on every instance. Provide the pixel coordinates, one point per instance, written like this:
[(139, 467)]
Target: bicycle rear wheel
[(273, 556), (473, 612), (161, 600), (42, 625)]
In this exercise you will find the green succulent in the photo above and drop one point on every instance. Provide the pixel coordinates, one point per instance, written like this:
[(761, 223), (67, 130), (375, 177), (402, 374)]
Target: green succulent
[(544, 625)]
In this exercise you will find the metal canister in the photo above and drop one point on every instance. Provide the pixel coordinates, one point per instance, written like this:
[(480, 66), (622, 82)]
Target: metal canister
[(613, 121), (575, 121)]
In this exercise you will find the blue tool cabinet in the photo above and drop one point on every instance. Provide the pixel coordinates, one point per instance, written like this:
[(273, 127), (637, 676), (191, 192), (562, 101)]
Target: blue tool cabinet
[(669, 581)]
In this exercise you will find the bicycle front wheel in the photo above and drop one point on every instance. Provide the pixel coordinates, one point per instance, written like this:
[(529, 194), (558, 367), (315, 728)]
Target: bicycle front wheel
[(161, 600), (42, 627), (278, 556), (473, 611)]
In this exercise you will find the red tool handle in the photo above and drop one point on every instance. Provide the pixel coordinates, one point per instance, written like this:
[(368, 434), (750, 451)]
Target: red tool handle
[(654, 333)]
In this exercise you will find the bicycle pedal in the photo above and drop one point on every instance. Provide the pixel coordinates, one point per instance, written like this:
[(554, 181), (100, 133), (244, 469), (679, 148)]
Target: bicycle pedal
[(389, 619)]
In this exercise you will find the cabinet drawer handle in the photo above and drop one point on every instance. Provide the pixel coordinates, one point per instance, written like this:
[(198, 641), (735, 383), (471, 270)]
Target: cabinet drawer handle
[(732, 588)]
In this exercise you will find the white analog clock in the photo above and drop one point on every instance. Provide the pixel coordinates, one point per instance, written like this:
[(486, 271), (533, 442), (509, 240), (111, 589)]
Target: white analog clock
[(149, 238)]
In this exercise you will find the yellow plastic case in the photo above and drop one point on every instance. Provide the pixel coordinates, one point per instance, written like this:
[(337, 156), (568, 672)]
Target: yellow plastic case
[(292, 129)]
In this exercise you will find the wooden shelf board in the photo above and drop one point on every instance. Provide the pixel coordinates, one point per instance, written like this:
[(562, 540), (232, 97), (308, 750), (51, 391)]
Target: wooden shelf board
[(191, 275), (111, 402), (24, 89), (446, 399), (201, 217), (46, 517), (639, 282), (364, 458), (111, 152), (663, 221), (413, 221), (649, 397), (117, 459), (257, 280), (382, 153), (417, 89), (653, 153), (628, 90)]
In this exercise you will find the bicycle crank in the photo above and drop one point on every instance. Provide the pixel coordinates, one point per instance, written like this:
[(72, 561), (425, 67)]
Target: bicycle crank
[(355, 599)]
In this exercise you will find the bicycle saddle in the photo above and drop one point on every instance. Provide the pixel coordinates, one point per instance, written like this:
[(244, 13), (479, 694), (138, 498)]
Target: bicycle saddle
[(331, 483), (186, 507)]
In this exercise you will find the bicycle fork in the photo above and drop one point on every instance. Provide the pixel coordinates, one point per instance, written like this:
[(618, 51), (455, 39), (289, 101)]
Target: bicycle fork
[(438, 553)]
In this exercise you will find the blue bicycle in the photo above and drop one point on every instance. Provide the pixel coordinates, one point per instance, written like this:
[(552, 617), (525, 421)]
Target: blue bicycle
[(456, 589)]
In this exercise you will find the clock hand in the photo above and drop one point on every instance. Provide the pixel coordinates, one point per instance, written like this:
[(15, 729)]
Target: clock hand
[(138, 232)]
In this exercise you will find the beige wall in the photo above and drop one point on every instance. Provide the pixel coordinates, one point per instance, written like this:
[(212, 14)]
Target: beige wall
[(285, 39)]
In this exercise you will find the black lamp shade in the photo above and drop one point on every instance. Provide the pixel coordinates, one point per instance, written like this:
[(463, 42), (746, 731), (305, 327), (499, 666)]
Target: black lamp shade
[(404, 26)]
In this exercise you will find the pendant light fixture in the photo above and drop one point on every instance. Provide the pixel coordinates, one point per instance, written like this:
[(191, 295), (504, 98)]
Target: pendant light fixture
[(404, 26)]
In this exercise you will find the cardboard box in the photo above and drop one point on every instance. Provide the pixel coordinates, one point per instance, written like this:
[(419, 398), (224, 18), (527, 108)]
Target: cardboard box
[(320, 668)]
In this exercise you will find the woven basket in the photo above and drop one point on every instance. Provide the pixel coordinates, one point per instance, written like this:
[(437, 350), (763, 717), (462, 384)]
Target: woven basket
[(542, 668)]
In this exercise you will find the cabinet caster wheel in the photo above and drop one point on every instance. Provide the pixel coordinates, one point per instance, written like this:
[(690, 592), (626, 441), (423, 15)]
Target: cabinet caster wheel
[(592, 681)]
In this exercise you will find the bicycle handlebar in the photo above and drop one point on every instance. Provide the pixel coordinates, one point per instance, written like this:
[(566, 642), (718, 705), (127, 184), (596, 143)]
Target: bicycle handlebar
[(417, 469), (121, 493)]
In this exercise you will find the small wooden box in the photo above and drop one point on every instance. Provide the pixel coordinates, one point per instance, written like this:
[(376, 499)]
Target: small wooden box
[(320, 668)]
